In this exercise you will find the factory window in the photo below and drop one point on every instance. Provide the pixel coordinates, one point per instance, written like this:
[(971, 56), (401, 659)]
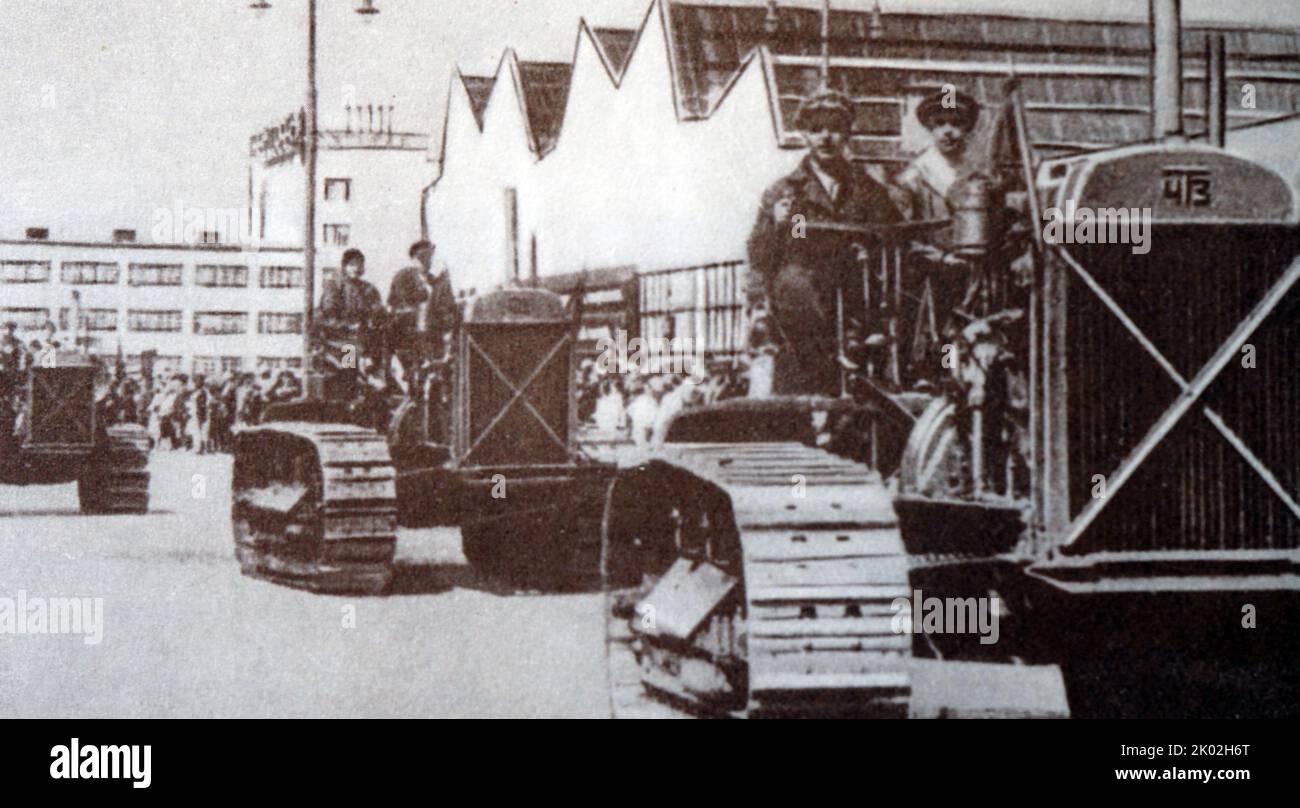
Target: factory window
[(26, 319), (24, 271), (281, 278), (154, 275), (153, 320), (211, 275), (91, 319), (220, 323), (276, 363), (275, 322), (338, 234), (88, 273), (214, 366), (338, 190)]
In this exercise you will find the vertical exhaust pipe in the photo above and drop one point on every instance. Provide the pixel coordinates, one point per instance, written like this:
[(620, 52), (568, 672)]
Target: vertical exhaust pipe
[(512, 237), (1166, 70), (1216, 83)]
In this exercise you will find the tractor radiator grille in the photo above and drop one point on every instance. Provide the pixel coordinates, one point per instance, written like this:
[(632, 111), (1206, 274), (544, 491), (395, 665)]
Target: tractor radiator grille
[(518, 380), (60, 409), (1188, 296)]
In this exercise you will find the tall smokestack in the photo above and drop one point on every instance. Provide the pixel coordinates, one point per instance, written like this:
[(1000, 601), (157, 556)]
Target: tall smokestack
[(1216, 83), (1166, 70)]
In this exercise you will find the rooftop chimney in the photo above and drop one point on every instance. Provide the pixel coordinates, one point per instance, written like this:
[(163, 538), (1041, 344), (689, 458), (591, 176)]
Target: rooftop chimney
[(771, 23), (1166, 70), (38, 233), (1216, 82)]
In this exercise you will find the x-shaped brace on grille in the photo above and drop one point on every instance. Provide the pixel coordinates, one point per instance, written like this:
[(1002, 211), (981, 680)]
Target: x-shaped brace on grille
[(518, 392), (62, 400), (1191, 392)]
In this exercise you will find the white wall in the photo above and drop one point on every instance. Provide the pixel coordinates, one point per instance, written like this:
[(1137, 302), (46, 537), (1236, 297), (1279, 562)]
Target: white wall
[(628, 183), (1276, 145), (187, 298), (384, 209)]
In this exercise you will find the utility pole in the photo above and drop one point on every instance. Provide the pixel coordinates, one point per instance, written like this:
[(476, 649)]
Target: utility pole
[(309, 234)]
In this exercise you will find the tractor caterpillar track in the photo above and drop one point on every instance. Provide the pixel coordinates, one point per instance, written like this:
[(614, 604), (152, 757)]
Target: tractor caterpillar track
[(116, 479), (315, 507), (754, 580)]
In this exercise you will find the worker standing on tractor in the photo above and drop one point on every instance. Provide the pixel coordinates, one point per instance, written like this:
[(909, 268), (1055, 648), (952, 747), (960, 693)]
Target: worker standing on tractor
[(44, 347), (950, 116), (928, 182), (423, 307), (797, 272)]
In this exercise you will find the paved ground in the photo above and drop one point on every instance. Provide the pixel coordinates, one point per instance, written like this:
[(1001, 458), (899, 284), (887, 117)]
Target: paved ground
[(185, 635)]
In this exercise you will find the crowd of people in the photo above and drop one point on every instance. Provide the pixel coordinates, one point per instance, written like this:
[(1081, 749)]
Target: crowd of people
[(641, 405), (196, 413)]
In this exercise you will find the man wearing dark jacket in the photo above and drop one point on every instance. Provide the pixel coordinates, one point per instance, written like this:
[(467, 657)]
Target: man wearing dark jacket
[(350, 329), (797, 272), (351, 301), (423, 307)]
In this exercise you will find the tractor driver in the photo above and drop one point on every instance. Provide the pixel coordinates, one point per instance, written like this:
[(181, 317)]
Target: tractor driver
[(13, 361), (796, 270), (12, 353), (352, 305), (351, 321)]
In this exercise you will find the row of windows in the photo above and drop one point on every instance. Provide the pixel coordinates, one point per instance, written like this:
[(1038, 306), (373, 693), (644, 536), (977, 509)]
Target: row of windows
[(206, 323), (218, 365), (88, 273), (206, 365)]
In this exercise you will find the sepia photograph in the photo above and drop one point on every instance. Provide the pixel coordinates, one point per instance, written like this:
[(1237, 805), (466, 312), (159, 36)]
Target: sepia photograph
[(640, 359)]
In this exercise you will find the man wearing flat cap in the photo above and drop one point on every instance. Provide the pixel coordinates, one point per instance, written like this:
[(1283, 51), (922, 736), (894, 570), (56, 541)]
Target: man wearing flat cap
[(352, 300), (796, 270), (422, 301), (950, 116), (926, 184), (352, 310)]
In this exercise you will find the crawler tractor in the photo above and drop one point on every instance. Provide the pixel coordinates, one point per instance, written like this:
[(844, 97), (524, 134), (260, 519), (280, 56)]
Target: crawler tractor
[(52, 432), (1114, 455), (483, 440)]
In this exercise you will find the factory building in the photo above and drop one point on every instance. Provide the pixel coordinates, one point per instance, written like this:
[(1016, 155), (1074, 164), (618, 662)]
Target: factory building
[(203, 308), (604, 159)]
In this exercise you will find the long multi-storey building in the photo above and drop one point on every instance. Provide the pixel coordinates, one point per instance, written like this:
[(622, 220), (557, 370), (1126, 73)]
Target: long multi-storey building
[(200, 308), (208, 298)]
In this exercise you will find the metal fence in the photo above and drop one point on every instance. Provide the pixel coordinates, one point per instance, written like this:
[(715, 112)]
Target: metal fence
[(703, 304)]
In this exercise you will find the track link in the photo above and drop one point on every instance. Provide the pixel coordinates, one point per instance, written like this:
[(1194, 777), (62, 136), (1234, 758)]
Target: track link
[(780, 598), (116, 481), (315, 507)]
